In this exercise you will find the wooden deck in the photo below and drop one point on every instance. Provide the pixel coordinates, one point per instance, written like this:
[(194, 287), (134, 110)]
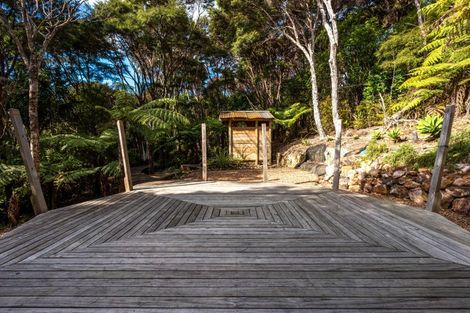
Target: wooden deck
[(226, 247)]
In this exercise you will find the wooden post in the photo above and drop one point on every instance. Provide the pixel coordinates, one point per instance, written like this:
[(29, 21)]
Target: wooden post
[(230, 139), (257, 143), (204, 152), (337, 156), (37, 197), (124, 155), (434, 197), (265, 152)]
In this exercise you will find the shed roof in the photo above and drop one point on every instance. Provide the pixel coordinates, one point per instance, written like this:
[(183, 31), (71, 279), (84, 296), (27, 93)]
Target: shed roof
[(245, 115)]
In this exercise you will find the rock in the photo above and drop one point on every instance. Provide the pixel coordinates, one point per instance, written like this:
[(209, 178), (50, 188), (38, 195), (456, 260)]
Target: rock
[(329, 171), (380, 189), (319, 169), (294, 157), (367, 187), (446, 181), (316, 153), (402, 180), (458, 192), (375, 172), (461, 206), (399, 191), (330, 154), (446, 200), (411, 184), (343, 183), (355, 188), (426, 184), (398, 173), (462, 182), (418, 196), (464, 168), (361, 173)]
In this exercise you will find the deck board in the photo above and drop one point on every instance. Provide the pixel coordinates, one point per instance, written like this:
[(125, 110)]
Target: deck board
[(224, 247)]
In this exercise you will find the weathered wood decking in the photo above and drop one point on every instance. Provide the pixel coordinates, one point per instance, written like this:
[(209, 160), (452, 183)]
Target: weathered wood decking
[(224, 247)]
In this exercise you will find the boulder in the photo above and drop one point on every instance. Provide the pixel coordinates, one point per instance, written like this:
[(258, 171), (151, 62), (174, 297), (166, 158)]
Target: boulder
[(398, 173), (295, 156), (380, 189), (375, 172), (354, 188), (329, 171), (458, 192), (314, 168), (399, 191), (316, 153), (411, 184), (446, 200), (418, 196), (462, 182), (447, 181), (368, 187), (461, 206)]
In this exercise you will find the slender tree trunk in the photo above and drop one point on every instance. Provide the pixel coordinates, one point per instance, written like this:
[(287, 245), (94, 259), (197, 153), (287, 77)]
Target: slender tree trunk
[(33, 80), (420, 19), (150, 158), (334, 79), (315, 102)]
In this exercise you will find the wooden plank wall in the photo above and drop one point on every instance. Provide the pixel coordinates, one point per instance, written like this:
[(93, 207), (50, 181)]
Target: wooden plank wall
[(245, 144)]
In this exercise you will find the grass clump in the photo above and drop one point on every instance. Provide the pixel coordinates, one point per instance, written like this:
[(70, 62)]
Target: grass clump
[(221, 160), (374, 150), (377, 135), (405, 155)]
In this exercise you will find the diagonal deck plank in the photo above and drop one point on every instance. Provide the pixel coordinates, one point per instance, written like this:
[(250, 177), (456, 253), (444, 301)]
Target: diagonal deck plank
[(224, 247)]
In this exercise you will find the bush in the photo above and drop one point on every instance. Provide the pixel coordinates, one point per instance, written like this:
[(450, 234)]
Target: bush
[(220, 159), (405, 155), (430, 126), (374, 150), (394, 134), (458, 152)]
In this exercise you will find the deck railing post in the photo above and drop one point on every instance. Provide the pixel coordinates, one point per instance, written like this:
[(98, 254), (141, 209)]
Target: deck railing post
[(37, 197), (124, 156), (337, 156), (265, 152), (434, 197), (204, 151)]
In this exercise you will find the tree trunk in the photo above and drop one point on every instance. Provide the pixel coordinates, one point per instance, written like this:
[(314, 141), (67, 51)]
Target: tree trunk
[(334, 79), (33, 80), (150, 158), (420, 19), (315, 102)]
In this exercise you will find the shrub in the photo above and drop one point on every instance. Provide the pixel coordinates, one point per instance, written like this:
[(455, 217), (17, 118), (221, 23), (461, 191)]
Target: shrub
[(458, 152), (374, 150), (430, 126), (376, 135), (405, 155), (394, 134), (220, 159)]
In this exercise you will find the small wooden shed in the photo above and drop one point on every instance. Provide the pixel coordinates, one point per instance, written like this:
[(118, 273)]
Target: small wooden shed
[(244, 133)]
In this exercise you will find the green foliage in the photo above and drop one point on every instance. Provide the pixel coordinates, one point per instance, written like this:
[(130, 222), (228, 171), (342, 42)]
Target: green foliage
[(405, 155), (220, 159), (458, 152), (374, 150), (377, 135), (394, 134), (289, 116), (430, 126), (367, 113)]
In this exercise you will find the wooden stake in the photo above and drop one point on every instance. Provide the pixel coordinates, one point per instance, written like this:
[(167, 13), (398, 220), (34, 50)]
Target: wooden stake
[(124, 156), (337, 156), (204, 152), (257, 143), (230, 139), (265, 152), (37, 197), (434, 197)]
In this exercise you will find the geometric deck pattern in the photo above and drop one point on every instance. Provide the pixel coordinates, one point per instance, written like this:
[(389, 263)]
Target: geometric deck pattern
[(236, 248)]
